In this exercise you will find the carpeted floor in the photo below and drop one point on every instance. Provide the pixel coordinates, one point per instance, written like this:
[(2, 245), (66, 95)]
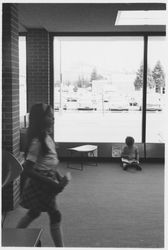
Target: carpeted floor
[(105, 206)]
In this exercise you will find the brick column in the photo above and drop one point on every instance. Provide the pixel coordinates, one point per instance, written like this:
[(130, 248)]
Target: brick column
[(38, 67), (10, 80), (10, 98)]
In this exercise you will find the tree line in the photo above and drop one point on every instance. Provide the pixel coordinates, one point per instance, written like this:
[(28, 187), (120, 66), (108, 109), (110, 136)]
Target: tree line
[(155, 78)]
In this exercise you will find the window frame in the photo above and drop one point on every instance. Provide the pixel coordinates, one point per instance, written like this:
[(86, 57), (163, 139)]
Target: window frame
[(160, 31)]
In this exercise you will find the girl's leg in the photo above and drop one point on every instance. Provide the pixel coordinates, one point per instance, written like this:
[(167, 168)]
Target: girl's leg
[(28, 218), (139, 167), (125, 166), (55, 228), (136, 165)]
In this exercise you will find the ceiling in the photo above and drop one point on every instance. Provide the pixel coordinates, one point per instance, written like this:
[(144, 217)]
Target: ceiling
[(78, 17)]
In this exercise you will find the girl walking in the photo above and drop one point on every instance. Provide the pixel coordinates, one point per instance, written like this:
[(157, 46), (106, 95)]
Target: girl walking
[(43, 180)]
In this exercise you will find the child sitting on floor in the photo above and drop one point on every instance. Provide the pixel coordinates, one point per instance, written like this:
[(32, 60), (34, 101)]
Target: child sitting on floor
[(130, 154)]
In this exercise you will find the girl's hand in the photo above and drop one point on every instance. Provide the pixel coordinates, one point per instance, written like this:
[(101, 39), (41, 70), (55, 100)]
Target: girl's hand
[(63, 182), (65, 179), (59, 185), (57, 162), (68, 176)]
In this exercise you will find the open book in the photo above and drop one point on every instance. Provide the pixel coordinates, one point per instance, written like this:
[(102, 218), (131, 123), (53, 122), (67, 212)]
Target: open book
[(124, 160)]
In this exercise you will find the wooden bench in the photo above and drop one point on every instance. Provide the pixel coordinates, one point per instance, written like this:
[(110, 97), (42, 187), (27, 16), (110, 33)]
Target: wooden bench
[(18, 237)]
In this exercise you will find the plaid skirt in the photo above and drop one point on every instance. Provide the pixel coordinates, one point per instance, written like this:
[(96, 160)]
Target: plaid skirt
[(37, 196)]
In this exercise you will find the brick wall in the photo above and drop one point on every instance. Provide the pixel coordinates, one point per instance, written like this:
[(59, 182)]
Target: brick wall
[(10, 80), (11, 195), (38, 66), (10, 98)]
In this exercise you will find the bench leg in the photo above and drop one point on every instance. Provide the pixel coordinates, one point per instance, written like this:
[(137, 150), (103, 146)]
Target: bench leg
[(39, 243), (93, 157), (68, 163)]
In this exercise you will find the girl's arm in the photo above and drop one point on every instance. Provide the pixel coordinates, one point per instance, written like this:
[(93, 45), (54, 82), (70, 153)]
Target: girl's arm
[(66, 178), (123, 154), (29, 171), (59, 176)]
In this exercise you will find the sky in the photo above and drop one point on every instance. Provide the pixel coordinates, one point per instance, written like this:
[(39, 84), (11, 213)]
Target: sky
[(110, 56)]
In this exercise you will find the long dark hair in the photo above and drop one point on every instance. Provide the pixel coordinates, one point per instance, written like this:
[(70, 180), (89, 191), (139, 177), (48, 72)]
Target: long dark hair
[(37, 126)]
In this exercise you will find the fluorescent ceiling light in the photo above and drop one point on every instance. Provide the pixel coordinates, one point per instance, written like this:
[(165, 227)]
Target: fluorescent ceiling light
[(141, 17)]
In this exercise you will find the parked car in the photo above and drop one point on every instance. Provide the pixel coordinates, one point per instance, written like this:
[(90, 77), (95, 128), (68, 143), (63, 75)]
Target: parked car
[(87, 105), (133, 104), (153, 103), (71, 104), (118, 103), (153, 107), (56, 106)]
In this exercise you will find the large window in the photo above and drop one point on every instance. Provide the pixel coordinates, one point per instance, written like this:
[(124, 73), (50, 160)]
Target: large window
[(22, 80), (156, 90), (96, 95)]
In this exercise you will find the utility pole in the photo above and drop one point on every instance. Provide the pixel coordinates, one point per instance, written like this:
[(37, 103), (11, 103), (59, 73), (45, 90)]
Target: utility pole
[(60, 109)]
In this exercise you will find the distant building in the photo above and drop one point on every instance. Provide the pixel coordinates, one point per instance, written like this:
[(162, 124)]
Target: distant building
[(100, 86)]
